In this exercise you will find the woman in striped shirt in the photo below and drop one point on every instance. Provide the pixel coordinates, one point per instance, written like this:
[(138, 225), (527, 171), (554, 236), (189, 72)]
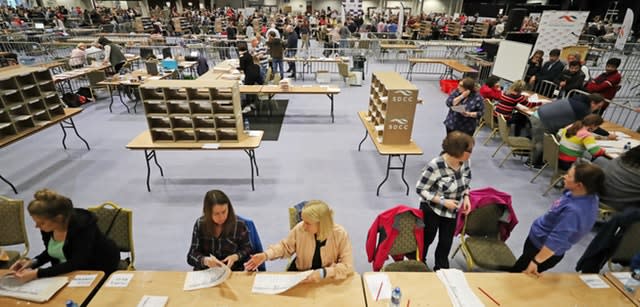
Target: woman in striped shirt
[(577, 138), (508, 102)]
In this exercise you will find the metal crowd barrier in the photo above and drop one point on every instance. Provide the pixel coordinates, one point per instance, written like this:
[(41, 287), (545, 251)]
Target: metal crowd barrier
[(619, 113)]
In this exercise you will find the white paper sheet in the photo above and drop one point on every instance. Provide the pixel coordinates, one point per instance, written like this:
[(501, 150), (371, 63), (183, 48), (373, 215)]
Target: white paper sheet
[(458, 108), (153, 301), (211, 146), (594, 281), (207, 278), (120, 280), (266, 283), (535, 98), (458, 289), (253, 132), (82, 280), (378, 283), (37, 290)]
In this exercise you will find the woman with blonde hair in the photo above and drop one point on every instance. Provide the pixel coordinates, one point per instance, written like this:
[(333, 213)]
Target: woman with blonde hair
[(507, 105), (317, 243)]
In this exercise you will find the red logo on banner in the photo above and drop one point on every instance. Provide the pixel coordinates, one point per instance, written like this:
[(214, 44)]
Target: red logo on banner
[(568, 18)]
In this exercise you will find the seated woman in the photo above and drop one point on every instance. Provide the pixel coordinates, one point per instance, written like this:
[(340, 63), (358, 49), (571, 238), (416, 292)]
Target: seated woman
[(578, 138), (71, 237), (318, 244), (507, 104), (534, 65), (219, 238), (78, 56), (568, 220)]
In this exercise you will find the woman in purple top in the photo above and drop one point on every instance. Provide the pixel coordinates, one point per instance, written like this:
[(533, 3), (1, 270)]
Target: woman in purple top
[(567, 221), (466, 96)]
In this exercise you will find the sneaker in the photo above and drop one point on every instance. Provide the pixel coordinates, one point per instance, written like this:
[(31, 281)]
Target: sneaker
[(530, 165)]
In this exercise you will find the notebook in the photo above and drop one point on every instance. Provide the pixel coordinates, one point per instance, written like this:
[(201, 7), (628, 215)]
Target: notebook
[(38, 290)]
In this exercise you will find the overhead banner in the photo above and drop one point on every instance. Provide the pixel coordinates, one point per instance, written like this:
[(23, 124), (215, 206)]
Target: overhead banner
[(625, 30), (558, 29)]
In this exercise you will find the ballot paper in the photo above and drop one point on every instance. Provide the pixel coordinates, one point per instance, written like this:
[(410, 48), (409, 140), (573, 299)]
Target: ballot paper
[(38, 290), (153, 301), (82, 280), (119, 280), (379, 286), (266, 283), (535, 98), (458, 108), (458, 289), (594, 281), (207, 278)]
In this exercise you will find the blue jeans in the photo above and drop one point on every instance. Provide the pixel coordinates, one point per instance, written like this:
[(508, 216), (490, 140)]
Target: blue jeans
[(278, 67)]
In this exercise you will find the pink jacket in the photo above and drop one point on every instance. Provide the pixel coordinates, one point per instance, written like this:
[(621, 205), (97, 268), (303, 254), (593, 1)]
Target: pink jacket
[(488, 196), (378, 250)]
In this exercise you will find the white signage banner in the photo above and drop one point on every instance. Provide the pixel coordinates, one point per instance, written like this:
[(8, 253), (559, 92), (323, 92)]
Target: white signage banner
[(625, 30), (558, 29)]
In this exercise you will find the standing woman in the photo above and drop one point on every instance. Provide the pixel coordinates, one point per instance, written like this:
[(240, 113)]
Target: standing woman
[(219, 238), (71, 238), (443, 190), (467, 96), (112, 54), (568, 220), (317, 243)]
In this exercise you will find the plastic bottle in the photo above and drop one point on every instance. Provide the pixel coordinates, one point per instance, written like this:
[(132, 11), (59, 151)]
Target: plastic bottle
[(396, 297), (71, 303), (633, 282), (627, 146), (246, 125)]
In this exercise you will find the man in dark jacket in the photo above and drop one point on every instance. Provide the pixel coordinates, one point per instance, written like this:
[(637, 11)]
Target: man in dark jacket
[(292, 49), (550, 69), (570, 78)]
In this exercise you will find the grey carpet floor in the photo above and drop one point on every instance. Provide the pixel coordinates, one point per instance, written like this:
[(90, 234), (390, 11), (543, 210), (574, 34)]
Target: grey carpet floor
[(313, 159)]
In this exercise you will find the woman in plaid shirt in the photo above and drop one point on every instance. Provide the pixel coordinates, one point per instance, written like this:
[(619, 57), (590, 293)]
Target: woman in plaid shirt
[(219, 238), (443, 190)]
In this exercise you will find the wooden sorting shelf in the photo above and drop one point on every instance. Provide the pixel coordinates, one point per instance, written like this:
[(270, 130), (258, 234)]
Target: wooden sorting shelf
[(28, 98), (392, 105), (193, 111)]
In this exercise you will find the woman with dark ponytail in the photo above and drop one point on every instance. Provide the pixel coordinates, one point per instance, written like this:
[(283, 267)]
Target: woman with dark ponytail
[(578, 138), (71, 238)]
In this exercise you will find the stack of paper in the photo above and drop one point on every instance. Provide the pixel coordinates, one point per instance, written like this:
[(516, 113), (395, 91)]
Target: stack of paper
[(266, 283), (207, 278), (38, 290), (459, 291)]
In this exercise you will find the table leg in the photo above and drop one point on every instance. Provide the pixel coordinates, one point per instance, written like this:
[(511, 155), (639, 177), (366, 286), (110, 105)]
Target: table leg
[(148, 155), (270, 104), (366, 133), (410, 72), (69, 124), (10, 184), (331, 99), (122, 100), (252, 161), (386, 176), (110, 94), (403, 159)]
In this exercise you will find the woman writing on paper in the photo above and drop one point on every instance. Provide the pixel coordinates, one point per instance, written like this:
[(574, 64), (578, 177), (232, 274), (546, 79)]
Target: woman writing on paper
[(219, 238), (71, 238), (568, 220), (578, 138), (318, 244), (465, 108), (444, 189)]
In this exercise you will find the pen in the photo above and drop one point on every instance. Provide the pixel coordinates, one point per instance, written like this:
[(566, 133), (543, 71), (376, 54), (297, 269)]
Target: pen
[(408, 302), (379, 289), (489, 296)]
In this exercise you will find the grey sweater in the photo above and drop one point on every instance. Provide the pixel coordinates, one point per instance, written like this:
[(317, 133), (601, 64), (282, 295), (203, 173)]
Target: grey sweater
[(621, 182), (563, 112)]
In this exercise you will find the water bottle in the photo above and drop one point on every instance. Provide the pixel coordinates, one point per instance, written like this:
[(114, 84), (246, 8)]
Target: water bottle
[(633, 282), (71, 303), (246, 125), (396, 297), (627, 147)]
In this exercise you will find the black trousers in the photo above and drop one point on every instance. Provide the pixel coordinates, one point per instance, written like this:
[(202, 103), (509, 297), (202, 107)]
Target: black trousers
[(528, 253), (445, 227)]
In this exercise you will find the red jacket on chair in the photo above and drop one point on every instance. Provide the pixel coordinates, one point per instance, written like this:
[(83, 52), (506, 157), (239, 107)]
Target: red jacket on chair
[(488, 196), (383, 225)]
